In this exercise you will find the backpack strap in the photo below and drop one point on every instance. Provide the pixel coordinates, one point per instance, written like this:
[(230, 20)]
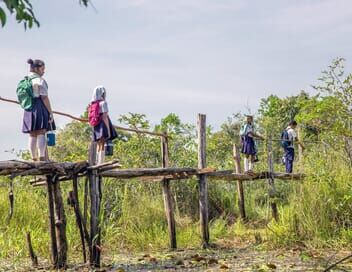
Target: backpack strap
[(33, 77)]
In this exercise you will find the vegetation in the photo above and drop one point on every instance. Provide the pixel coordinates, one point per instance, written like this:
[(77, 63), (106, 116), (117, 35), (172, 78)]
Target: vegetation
[(23, 11), (316, 212)]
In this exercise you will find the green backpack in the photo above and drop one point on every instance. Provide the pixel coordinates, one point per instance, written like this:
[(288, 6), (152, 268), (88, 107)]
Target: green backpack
[(25, 92)]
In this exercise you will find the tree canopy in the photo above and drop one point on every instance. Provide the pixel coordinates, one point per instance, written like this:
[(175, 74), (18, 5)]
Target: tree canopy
[(23, 11)]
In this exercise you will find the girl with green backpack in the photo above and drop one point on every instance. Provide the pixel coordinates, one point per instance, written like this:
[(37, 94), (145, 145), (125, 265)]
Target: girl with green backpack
[(38, 115)]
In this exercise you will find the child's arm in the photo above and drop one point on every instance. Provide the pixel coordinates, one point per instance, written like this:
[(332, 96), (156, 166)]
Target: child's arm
[(47, 104), (300, 143), (256, 135)]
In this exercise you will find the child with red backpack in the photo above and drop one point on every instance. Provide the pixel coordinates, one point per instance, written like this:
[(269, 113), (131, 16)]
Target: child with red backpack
[(98, 116)]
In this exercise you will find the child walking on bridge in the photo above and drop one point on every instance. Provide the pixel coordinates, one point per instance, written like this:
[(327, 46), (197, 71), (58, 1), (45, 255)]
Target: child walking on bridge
[(249, 148), (288, 139), (38, 115), (103, 129)]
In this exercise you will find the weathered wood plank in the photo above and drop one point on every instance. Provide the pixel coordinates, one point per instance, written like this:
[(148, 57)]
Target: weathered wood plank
[(51, 216), (240, 191), (203, 185), (134, 173), (79, 221), (168, 203), (60, 227), (32, 254), (94, 209), (27, 168), (272, 190)]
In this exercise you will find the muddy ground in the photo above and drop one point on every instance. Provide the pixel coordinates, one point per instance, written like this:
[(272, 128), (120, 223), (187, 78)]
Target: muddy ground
[(248, 258)]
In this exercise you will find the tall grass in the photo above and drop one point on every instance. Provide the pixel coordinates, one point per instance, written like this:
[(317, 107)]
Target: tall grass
[(320, 209), (317, 211)]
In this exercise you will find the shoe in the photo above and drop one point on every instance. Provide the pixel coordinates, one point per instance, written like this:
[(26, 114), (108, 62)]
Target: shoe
[(249, 172)]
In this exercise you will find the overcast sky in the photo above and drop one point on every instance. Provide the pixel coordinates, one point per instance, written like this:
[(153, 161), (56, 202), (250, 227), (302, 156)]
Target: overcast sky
[(183, 56)]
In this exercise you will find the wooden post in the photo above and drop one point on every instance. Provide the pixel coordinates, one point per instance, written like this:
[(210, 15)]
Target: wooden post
[(79, 220), (168, 203), (60, 226), (94, 209), (51, 216), (300, 150), (240, 191), (31, 251), (272, 191), (11, 199), (203, 185), (85, 204)]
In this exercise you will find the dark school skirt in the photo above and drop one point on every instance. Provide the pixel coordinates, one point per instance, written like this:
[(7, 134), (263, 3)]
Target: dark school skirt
[(37, 118), (248, 145), (100, 131)]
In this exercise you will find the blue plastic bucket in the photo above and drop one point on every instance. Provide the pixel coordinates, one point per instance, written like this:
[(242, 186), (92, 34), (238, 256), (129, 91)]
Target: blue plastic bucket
[(109, 148), (50, 136)]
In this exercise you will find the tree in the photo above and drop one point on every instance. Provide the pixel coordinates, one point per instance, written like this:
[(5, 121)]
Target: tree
[(23, 10), (334, 107)]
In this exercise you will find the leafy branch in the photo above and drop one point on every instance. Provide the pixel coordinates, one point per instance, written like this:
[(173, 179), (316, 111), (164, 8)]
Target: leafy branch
[(23, 11)]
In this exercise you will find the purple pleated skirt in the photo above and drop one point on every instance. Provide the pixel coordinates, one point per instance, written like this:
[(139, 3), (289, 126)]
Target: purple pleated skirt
[(248, 145), (100, 131), (37, 118)]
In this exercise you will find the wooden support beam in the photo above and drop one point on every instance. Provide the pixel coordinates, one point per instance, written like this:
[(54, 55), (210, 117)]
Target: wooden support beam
[(94, 184), (140, 172), (240, 191), (168, 203), (103, 165), (203, 185), (60, 226), (272, 190), (32, 254), (79, 220), (51, 215), (85, 207), (27, 168)]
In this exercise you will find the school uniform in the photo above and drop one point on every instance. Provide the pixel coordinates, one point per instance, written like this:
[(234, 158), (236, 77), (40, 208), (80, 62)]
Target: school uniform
[(37, 118), (101, 131), (248, 143), (290, 150)]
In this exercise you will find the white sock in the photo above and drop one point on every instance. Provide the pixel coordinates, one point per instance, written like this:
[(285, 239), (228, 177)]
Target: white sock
[(250, 165), (101, 157), (41, 142), (32, 145), (246, 164)]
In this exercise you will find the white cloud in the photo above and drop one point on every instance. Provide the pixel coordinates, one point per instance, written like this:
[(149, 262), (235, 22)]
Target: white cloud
[(160, 6), (185, 56), (314, 16)]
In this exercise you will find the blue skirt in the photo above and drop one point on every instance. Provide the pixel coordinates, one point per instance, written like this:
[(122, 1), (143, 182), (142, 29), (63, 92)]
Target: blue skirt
[(248, 145), (37, 118), (100, 131)]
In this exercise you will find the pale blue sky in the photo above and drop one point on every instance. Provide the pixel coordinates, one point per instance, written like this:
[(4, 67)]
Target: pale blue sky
[(158, 56)]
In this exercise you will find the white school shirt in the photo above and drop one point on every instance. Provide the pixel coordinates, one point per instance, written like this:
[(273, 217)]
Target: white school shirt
[(40, 86), (292, 135), (249, 129), (103, 106)]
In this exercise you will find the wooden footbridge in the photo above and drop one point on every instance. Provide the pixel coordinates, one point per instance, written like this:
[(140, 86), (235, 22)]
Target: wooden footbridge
[(51, 174)]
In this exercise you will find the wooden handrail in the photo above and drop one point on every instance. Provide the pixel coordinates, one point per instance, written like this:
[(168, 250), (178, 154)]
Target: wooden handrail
[(84, 120)]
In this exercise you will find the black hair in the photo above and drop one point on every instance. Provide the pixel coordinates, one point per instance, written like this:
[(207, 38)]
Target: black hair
[(35, 63), (292, 123)]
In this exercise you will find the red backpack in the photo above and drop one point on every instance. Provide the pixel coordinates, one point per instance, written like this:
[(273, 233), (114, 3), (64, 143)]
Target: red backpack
[(94, 116)]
